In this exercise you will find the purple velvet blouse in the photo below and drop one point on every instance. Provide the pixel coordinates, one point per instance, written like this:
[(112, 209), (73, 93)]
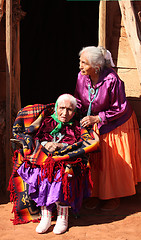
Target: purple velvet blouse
[(110, 103), (72, 132)]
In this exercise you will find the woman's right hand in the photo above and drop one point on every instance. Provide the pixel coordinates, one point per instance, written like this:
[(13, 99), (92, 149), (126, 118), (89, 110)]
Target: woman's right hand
[(89, 120), (52, 146)]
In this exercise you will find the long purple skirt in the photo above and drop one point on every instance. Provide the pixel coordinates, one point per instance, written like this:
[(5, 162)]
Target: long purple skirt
[(46, 193)]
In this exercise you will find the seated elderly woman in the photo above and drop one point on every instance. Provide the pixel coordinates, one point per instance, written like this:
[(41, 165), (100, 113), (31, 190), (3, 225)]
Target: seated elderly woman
[(56, 131)]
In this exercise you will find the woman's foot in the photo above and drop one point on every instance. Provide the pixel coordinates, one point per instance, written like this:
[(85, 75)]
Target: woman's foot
[(45, 222), (111, 204), (62, 220), (92, 203)]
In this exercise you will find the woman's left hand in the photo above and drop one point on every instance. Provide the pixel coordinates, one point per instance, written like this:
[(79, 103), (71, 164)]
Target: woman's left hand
[(89, 120)]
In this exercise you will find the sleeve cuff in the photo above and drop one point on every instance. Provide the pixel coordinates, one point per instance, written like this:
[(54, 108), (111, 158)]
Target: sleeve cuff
[(43, 143), (102, 117), (65, 144)]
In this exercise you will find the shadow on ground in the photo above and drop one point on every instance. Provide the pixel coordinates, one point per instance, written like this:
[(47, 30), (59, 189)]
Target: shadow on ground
[(128, 206)]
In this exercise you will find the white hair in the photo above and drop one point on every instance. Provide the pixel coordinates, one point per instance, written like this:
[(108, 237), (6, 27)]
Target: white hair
[(67, 96), (95, 55)]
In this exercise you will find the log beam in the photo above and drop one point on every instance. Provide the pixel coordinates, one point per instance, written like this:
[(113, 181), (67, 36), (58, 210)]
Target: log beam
[(102, 24), (8, 85)]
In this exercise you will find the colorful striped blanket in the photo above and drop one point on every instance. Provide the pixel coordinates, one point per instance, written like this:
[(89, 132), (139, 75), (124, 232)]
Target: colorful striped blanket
[(26, 124)]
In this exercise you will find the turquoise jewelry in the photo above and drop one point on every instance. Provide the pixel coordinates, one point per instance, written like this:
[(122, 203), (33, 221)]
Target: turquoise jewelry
[(91, 91)]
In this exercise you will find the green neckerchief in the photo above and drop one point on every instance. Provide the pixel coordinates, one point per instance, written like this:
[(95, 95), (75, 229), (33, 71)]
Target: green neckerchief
[(60, 124)]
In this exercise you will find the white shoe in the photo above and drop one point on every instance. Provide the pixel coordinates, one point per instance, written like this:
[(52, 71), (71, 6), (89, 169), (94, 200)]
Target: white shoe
[(62, 220), (45, 222)]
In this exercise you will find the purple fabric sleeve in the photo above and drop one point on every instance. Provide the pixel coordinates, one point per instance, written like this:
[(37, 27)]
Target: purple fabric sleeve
[(110, 103)]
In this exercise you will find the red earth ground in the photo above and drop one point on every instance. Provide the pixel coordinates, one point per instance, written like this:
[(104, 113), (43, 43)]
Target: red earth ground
[(122, 224)]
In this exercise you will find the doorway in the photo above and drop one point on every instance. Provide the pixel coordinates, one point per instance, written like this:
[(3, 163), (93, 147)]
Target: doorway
[(51, 36)]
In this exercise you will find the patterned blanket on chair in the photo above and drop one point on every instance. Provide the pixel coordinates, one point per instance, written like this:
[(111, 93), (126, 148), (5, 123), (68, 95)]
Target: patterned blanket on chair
[(26, 124)]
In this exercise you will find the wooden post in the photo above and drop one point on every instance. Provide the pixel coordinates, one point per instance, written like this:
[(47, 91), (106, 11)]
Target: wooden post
[(8, 85), (1, 8), (130, 24), (102, 24)]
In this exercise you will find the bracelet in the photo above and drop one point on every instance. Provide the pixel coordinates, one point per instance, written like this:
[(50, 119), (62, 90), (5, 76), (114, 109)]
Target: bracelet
[(100, 119)]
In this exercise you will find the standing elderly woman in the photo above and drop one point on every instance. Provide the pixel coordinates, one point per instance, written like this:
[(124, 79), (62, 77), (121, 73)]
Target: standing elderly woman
[(101, 98), (55, 132)]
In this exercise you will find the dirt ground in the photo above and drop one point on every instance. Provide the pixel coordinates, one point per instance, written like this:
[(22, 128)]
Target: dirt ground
[(122, 224)]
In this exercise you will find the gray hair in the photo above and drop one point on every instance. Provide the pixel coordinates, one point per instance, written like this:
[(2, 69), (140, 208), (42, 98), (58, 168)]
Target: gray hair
[(67, 96), (95, 56)]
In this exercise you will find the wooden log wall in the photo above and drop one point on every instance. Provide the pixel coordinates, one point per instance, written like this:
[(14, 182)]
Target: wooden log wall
[(122, 38), (2, 102), (10, 102), (114, 34)]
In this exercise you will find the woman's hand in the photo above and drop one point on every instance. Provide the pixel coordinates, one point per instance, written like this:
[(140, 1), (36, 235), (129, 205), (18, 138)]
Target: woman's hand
[(89, 120), (52, 146)]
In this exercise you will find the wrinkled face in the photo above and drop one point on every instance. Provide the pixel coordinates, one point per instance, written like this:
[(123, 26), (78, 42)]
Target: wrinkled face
[(84, 65), (65, 111)]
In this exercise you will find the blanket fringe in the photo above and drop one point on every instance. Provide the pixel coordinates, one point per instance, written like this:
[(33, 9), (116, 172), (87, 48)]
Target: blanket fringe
[(70, 185), (47, 170)]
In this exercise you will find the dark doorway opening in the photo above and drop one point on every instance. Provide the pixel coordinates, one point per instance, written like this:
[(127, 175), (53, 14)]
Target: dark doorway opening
[(52, 34)]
